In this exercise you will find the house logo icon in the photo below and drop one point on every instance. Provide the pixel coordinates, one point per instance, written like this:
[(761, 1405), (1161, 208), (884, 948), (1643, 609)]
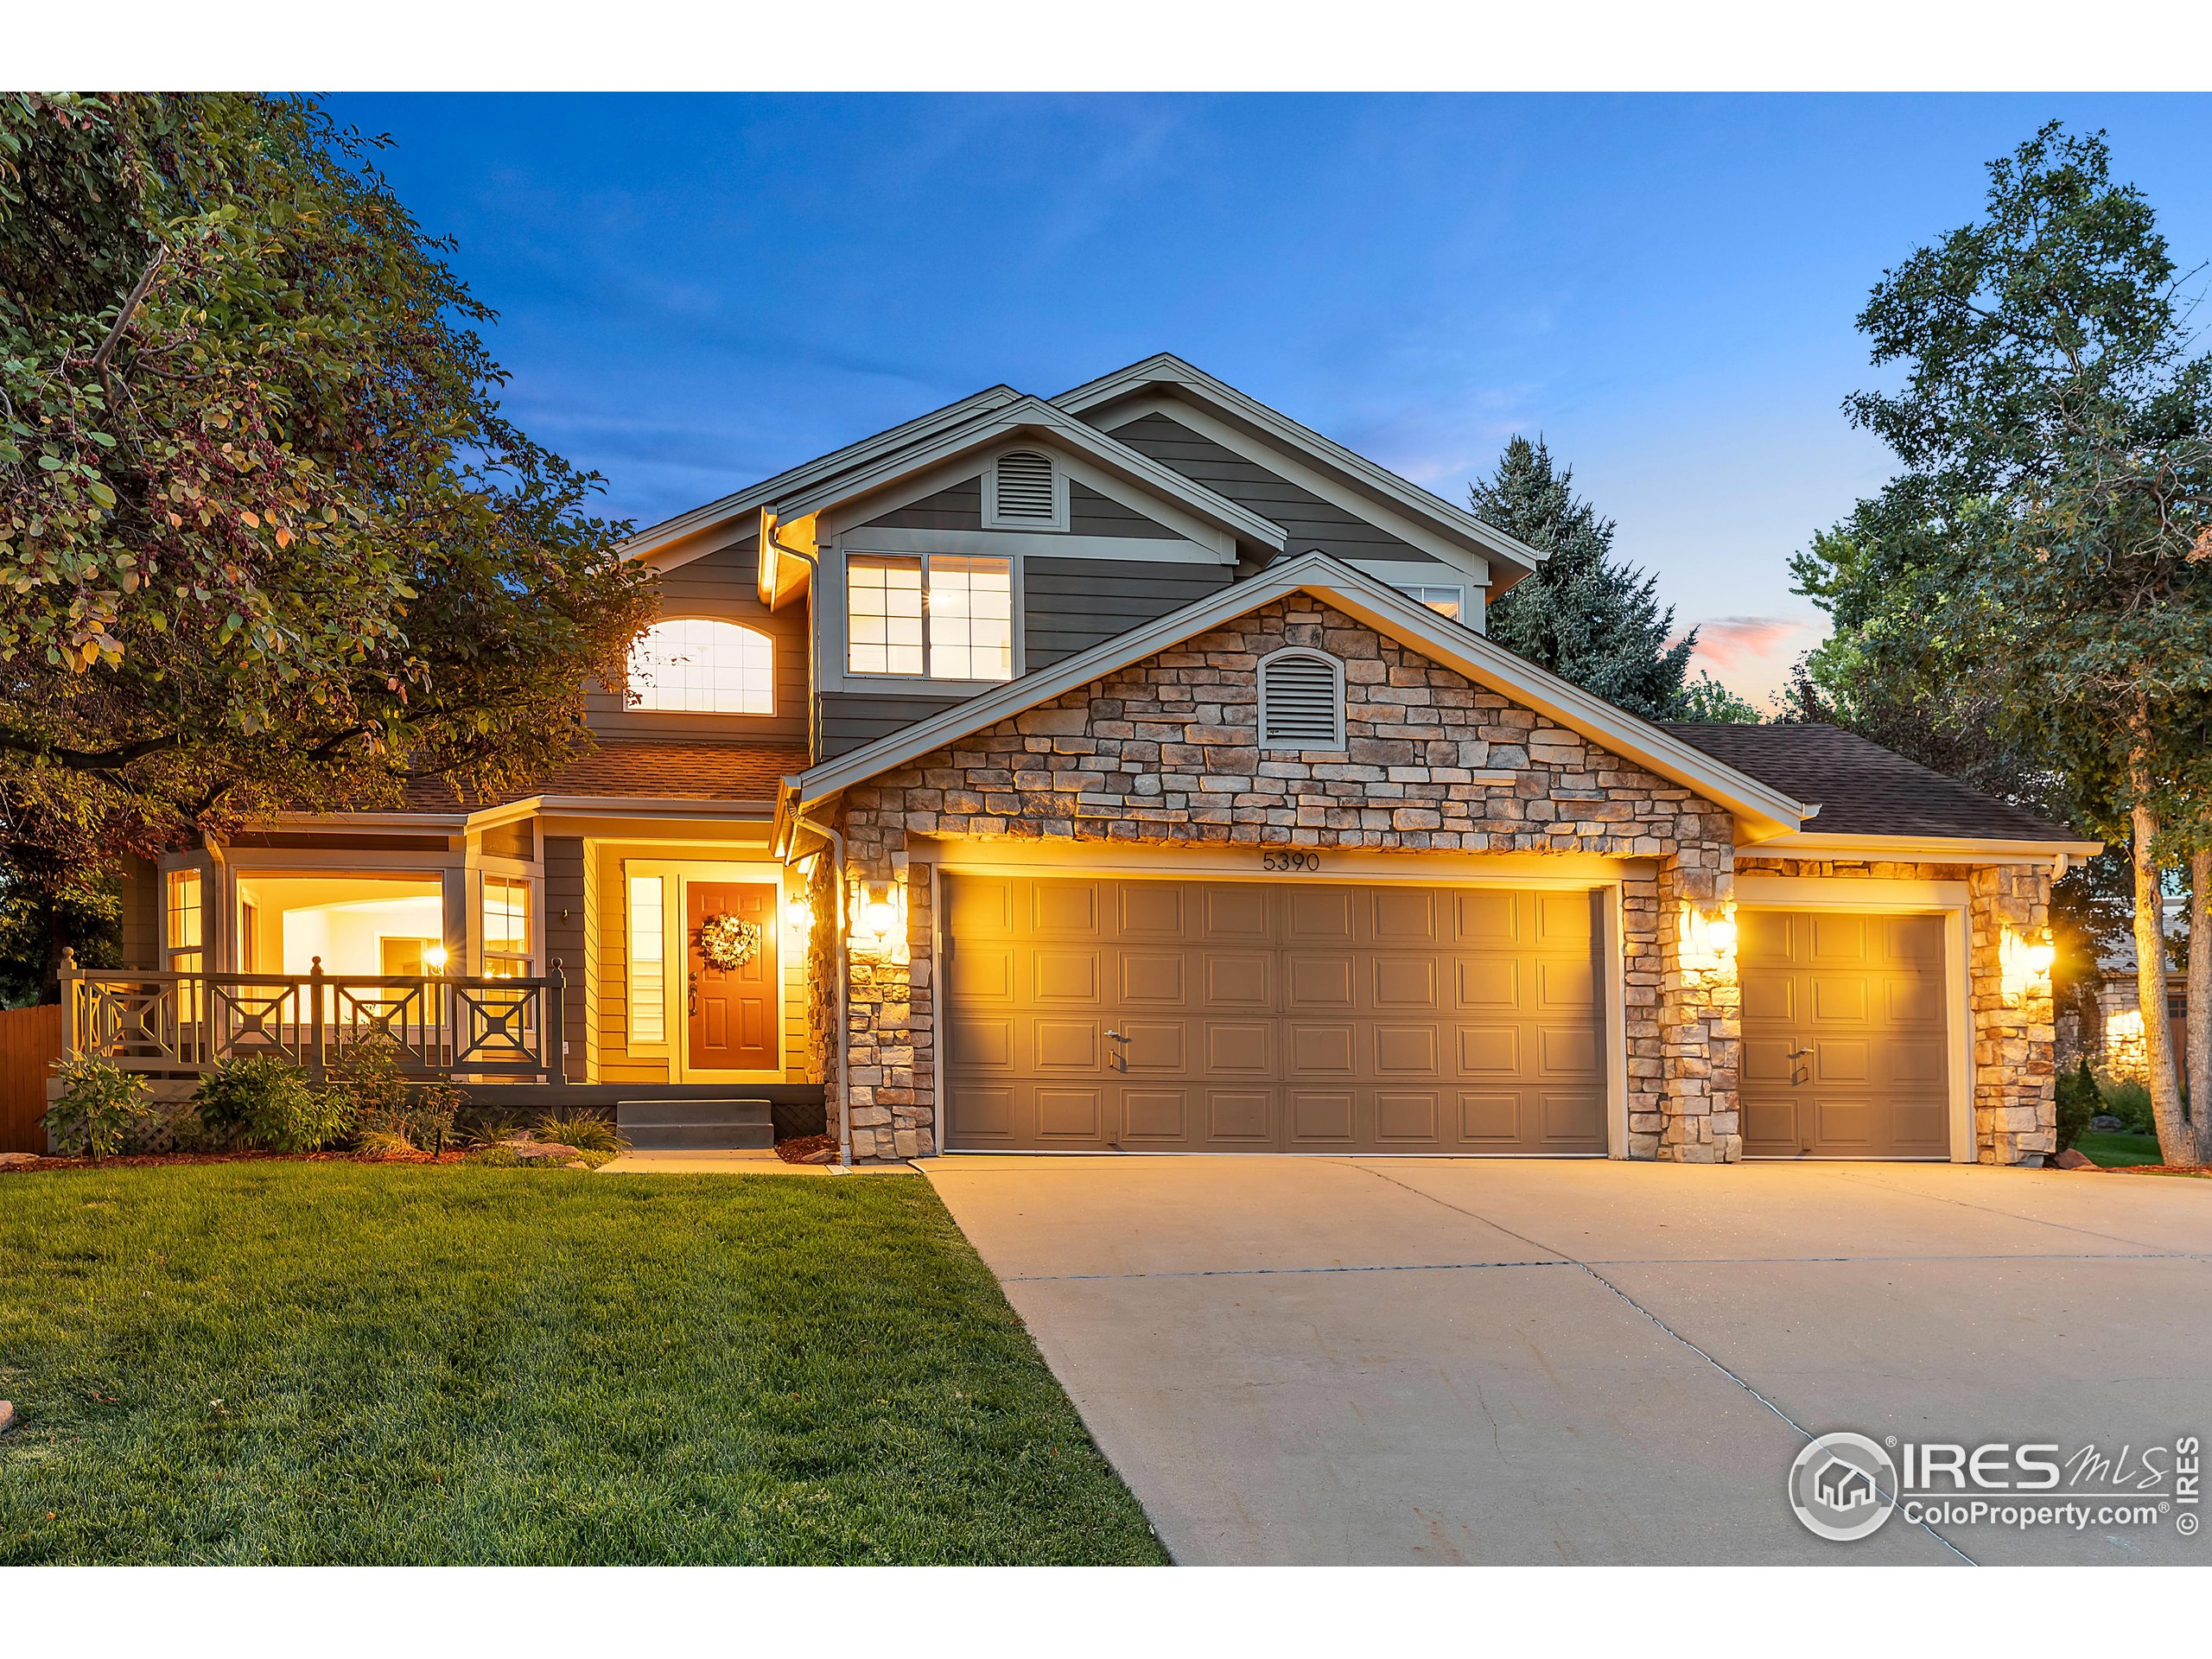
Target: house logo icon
[(1843, 1486)]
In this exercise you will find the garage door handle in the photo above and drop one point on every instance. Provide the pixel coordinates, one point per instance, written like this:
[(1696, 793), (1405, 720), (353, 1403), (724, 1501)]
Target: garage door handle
[(1798, 1054), (1117, 1037)]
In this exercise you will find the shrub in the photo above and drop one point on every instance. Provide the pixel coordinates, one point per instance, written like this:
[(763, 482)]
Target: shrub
[(100, 1105), (584, 1133), (2128, 1099), (388, 1111), (496, 1157), (263, 1101), (2078, 1102)]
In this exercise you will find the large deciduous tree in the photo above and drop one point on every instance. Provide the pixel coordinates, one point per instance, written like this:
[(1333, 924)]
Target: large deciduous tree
[(265, 538), (1584, 614), (2036, 581)]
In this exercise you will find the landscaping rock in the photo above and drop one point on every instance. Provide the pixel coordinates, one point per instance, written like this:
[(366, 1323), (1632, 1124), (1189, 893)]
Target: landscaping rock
[(828, 1155), (8, 1159), (2105, 1123), (532, 1152), (7, 1415), (2071, 1159)]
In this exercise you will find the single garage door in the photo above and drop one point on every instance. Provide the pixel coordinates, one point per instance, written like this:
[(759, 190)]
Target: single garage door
[(1845, 1038), (1248, 1016)]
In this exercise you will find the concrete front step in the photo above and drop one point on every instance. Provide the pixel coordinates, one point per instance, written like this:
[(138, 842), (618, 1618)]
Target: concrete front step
[(696, 1125)]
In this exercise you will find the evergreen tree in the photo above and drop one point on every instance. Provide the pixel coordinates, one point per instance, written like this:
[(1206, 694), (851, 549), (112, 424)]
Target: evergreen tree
[(1584, 616)]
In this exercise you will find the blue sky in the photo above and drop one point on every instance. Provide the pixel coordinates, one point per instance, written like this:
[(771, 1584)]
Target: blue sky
[(697, 291)]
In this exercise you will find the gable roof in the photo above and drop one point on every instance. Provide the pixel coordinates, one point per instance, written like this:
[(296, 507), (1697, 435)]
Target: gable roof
[(1863, 789), (1196, 386), (1758, 806)]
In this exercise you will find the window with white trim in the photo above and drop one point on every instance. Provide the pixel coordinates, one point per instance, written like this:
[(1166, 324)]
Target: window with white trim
[(1301, 701), (648, 952), (1445, 601), (697, 665), (506, 928), (1023, 490), (938, 616)]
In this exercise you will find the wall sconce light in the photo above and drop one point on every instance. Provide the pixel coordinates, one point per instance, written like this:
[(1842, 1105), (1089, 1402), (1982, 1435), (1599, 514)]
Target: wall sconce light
[(435, 957), (799, 915), (2022, 965), (1708, 935), (880, 918)]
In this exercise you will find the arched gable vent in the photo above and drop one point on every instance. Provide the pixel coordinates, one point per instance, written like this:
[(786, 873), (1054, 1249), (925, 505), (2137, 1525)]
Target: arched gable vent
[(1023, 492), (1301, 701)]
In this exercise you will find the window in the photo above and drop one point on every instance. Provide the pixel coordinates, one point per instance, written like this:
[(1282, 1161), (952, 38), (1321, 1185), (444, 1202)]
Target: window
[(942, 616), (506, 928), (648, 961), (184, 921), (1301, 701), (697, 666), (1023, 491), (1445, 601)]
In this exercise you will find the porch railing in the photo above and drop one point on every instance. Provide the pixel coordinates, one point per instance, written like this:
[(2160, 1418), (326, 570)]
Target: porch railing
[(440, 1026)]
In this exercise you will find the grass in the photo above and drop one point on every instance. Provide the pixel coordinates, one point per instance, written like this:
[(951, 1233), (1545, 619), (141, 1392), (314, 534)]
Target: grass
[(327, 1362), (2116, 1151)]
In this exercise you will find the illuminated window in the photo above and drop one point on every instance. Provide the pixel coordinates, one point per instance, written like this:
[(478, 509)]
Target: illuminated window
[(648, 961), (506, 928), (1445, 601), (184, 921), (697, 666), (943, 616)]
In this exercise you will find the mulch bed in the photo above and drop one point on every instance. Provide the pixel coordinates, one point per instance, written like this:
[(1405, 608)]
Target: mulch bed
[(164, 1159), (2157, 1169), (801, 1149)]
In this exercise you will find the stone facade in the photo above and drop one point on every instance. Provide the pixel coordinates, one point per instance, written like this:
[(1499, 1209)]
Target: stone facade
[(1165, 750), (2014, 1037)]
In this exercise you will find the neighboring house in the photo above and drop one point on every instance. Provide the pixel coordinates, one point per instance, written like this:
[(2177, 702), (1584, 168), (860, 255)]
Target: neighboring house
[(2116, 1044), (1140, 754)]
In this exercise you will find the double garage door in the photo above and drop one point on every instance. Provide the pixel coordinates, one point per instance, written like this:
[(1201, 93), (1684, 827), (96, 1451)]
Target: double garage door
[(1091, 1014)]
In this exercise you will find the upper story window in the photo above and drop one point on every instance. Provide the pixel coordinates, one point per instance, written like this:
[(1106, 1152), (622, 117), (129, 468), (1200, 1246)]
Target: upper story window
[(695, 665), (1023, 490), (938, 616), (506, 927), (1445, 601), (1301, 701)]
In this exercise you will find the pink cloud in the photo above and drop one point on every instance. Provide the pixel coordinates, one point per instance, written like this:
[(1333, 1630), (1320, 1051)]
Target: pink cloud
[(1750, 655)]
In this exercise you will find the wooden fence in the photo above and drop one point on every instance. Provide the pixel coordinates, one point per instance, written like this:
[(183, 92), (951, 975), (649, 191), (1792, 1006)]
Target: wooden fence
[(30, 1042)]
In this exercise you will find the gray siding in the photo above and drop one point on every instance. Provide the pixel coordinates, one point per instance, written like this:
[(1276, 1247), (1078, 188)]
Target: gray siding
[(1312, 521), (851, 719), (960, 506), (565, 911), (1070, 605), (723, 585), (1092, 514)]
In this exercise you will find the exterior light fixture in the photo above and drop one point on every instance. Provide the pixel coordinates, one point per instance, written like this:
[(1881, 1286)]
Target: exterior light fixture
[(879, 919), (799, 915), (436, 958), (1708, 936), (2023, 964)]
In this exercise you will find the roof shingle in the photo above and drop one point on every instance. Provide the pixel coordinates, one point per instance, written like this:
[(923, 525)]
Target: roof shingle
[(1863, 789), (645, 770)]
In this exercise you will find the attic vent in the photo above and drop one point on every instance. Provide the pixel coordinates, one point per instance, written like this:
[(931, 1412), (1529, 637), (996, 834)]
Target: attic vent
[(1301, 701), (1023, 490)]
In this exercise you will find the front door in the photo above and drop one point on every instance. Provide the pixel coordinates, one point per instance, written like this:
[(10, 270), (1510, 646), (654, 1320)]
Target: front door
[(729, 931)]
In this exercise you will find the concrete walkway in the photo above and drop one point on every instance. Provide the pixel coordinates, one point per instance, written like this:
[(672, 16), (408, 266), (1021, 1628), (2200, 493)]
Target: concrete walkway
[(1378, 1360)]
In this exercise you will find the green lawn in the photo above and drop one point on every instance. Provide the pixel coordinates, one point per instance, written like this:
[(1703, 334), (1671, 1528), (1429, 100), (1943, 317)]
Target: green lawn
[(329, 1363), (2119, 1151)]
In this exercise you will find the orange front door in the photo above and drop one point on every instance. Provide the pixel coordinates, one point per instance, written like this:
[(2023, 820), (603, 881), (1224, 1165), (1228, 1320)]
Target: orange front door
[(733, 1006)]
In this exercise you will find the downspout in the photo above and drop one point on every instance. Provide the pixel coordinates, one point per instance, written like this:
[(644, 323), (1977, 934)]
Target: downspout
[(770, 542)]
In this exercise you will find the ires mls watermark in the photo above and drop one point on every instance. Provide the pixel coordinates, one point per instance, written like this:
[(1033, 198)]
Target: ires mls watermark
[(1844, 1486)]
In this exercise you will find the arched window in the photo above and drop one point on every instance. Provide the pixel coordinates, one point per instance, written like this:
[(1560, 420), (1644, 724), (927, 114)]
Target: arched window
[(1301, 701), (697, 666)]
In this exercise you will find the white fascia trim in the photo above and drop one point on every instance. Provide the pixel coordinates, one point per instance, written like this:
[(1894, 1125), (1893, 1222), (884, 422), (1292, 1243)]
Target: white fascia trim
[(369, 821), (748, 501), (1925, 849), (1170, 369), (1380, 606), (641, 806), (1033, 414), (1033, 545)]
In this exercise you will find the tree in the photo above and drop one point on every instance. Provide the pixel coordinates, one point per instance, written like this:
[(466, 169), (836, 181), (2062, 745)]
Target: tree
[(2040, 575), (1706, 698), (266, 538), (1581, 613)]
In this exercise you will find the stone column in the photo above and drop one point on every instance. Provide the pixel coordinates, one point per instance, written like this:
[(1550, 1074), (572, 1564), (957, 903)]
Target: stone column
[(1700, 1007), (2015, 1109)]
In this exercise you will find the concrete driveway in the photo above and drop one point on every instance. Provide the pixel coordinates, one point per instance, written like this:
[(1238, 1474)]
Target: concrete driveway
[(1400, 1360)]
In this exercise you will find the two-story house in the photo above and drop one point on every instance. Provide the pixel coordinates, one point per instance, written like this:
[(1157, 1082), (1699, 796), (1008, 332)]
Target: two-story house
[(1129, 769)]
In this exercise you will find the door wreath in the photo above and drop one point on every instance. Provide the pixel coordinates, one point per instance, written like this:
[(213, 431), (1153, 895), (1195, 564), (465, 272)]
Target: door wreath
[(726, 943)]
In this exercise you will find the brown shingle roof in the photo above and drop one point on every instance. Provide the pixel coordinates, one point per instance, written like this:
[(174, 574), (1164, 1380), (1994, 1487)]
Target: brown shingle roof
[(664, 772), (1862, 788)]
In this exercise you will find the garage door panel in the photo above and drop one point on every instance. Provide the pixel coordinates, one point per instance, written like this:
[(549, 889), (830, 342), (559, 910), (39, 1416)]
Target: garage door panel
[(1862, 996), (1261, 1017)]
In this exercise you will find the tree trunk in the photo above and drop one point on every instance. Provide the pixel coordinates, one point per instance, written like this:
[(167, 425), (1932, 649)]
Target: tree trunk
[(2176, 1145), (2197, 1029)]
